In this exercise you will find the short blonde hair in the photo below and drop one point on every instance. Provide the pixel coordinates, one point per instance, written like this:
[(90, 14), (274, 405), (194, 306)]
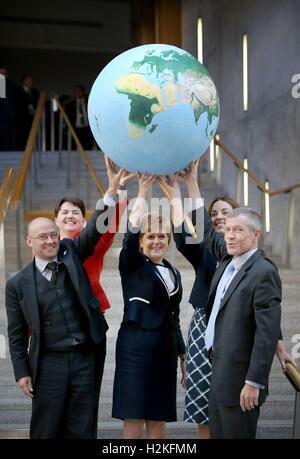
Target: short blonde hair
[(155, 223)]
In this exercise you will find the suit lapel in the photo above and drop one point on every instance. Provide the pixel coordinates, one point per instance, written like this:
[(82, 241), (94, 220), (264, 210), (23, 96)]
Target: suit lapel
[(29, 289), (218, 274), (158, 278), (65, 257), (176, 279), (238, 277)]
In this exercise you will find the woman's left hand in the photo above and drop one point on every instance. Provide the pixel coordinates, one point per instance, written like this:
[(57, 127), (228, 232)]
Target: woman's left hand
[(113, 176), (126, 177)]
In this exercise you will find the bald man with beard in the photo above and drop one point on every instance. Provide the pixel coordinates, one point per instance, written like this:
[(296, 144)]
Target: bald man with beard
[(56, 329)]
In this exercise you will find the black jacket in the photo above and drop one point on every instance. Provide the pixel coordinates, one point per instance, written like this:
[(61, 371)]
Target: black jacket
[(146, 297), (22, 306), (203, 262)]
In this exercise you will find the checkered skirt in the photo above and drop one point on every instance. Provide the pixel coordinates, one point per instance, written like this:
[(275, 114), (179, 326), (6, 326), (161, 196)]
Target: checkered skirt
[(198, 371)]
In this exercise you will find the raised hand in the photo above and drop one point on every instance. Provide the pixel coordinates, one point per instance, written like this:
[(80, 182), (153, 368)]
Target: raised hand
[(113, 176), (126, 177), (170, 185), (190, 173), (190, 178), (140, 206), (145, 182)]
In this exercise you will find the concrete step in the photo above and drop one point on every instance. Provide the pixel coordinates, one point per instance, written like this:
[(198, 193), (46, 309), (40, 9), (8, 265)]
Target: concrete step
[(281, 429), (16, 410)]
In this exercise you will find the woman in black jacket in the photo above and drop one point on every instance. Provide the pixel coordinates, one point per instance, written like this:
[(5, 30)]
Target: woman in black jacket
[(149, 340)]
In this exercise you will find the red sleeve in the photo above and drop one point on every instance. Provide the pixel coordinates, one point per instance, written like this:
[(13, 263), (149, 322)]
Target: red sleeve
[(107, 239)]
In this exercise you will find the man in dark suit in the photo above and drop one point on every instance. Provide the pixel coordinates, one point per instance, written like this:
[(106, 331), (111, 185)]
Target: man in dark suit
[(56, 329), (243, 328), (76, 109)]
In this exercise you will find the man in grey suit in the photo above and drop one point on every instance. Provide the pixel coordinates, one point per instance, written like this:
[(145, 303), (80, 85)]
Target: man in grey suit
[(243, 312), (56, 329)]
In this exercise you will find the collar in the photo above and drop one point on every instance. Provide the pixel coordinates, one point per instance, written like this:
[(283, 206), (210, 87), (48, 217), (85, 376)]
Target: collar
[(41, 264), (240, 260)]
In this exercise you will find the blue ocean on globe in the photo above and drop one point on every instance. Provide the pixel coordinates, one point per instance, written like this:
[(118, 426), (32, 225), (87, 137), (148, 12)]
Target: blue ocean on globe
[(154, 108)]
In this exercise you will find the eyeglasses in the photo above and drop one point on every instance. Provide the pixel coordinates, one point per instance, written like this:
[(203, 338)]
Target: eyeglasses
[(45, 236)]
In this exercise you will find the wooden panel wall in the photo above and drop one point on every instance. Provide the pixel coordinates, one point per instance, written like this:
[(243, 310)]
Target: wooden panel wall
[(168, 22), (157, 21)]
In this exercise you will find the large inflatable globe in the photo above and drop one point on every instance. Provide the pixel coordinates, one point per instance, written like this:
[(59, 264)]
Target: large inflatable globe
[(154, 108)]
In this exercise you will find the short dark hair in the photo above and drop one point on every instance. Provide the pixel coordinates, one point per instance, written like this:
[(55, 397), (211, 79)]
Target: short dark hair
[(80, 86), (25, 75), (75, 201), (229, 201)]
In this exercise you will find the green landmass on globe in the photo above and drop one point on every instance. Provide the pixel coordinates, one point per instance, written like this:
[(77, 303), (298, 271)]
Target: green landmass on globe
[(180, 78)]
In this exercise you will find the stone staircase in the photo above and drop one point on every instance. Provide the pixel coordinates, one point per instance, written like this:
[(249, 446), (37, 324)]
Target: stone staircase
[(276, 418), (7, 159)]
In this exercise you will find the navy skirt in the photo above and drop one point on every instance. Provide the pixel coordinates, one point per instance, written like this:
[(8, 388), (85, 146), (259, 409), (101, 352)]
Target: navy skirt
[(145, 376)]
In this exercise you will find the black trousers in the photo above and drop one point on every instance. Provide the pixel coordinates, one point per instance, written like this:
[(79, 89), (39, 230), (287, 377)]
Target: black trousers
[(98, 374), (230, 422), (66, 394)]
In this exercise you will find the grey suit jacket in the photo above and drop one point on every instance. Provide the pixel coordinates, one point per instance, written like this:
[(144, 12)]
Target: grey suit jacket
[(247, 325)]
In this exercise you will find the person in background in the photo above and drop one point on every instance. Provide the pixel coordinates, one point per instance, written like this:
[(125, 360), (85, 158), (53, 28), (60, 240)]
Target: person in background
[(76, 109), (149, 341), (27, 100)]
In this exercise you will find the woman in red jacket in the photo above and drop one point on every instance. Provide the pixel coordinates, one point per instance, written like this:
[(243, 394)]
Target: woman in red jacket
[(70, 219)]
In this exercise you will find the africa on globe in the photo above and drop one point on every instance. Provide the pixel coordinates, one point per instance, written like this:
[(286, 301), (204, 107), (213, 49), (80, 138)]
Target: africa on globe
[(154, 108)]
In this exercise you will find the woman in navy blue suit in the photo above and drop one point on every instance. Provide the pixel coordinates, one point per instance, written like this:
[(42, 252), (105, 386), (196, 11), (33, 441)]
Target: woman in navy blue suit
[(149, 340)]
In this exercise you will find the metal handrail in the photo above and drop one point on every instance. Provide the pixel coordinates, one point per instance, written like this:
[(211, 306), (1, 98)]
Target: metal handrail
[(260, 185), (6, 191), (31, 143), (285, 190), (80, 148), (29, 150), (266, 194)]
